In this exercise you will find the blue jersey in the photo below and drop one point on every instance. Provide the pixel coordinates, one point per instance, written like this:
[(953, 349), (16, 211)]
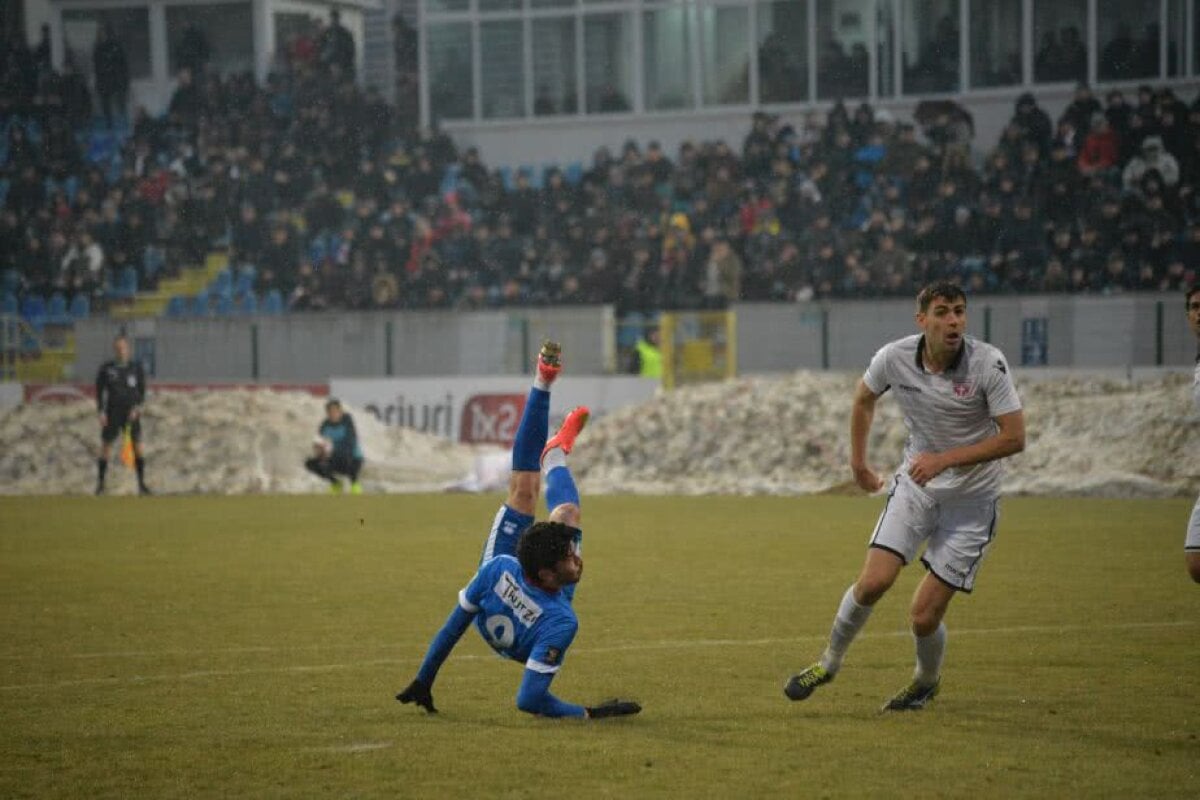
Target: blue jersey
[(520, 621)]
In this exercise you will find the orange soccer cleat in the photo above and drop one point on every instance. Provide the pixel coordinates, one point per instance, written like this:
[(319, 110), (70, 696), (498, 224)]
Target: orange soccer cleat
[(565, 438), (549, 362)]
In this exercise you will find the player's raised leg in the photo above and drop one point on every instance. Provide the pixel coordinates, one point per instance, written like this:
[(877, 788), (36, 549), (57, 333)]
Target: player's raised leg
[(562, 496), (525, 484)]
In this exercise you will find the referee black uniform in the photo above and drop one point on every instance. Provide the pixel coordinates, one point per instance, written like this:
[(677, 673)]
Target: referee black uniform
[(120, 393)]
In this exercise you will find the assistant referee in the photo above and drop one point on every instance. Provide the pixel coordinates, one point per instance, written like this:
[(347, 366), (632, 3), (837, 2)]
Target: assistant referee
[(120, 395)]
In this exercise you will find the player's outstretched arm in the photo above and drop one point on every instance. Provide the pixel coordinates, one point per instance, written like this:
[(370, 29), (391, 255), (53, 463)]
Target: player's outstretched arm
[(420, 691), (534, 697)]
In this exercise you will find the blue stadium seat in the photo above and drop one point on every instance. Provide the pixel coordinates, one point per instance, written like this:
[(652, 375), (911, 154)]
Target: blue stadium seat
[(81, 307), (573, 174), (224, 305), (506, 175), (10, 281), (535, 175), (9, 304), (199, 305), (450, 178), (223, 283), (33, 309), (177, 307), (56, 310), (273, 302), (124, 284), (245, 280)]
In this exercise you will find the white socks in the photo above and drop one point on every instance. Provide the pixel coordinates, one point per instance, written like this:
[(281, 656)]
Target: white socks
[(846, 625), (554, 458), (930, 650), (538, 383)]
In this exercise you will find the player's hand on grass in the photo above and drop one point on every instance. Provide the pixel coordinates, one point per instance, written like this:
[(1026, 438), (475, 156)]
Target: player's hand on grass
[(419, 693), (867, 479), (613, 708), (925, 467)]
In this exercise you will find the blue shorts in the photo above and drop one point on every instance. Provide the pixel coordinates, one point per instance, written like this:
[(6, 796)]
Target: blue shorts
[(507, 528)]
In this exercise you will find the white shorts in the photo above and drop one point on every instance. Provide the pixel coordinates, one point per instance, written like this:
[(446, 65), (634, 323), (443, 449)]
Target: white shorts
[(956, 533), (1192, 543)]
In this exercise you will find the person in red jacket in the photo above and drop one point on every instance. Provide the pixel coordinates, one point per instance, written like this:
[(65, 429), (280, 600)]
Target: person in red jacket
[(1100, 151)]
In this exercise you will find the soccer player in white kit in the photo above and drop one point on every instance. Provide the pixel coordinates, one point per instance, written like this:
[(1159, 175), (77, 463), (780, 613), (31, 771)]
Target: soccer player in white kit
[(1192, 545), (963, 415)]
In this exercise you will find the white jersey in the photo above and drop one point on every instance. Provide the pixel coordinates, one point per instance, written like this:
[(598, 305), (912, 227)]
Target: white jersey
[(950, 409), (1196, 386)]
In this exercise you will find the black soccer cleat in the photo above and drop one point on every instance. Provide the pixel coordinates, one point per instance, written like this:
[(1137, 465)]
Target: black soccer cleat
[(144, 490), (913, 697), (99, 489), (799, 687)]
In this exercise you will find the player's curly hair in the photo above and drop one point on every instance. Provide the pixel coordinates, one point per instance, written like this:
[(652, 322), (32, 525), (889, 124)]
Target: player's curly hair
[(1187, 295), (947, 290), (542, 545)]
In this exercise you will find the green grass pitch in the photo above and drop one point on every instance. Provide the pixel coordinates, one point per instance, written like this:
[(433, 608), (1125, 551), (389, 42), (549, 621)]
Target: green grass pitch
[(251, 647)]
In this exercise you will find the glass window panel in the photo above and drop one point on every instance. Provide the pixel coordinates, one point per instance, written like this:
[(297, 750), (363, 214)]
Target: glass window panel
[(995, 43), (551, 3), (1127, 39), (724, 55), (1176, 37), (219, 35), (447, 5), (929, 31), (129, 26), (499, 5), (501, 58), (885, 55), (1196, 38), (782, 42), (842, 55), (554, 70), (607, 53), (451, 83), (667, 59), (1059, 40)]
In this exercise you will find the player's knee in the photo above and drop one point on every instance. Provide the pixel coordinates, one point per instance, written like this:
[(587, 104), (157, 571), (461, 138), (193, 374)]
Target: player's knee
[(1193, 566), (925, 620), (870, 587), (567, 514)]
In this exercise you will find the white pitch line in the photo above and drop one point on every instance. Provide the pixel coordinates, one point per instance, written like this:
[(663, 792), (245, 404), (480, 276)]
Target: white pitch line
[(661, 644)]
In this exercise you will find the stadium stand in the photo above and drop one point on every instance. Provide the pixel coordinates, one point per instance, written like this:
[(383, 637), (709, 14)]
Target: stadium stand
[(320, 197)]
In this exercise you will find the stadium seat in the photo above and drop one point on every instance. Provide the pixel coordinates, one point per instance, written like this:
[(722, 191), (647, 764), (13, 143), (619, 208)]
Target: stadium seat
[(224, 305), (506, 175), (9, 304), (81, 307), (450, 178), (56, 310), (222, 284), (124, 284), (573, 174), (629, 329), (33, 309), (10, 281), (273, 302), (199, 305), (245, 280), (177, 307)]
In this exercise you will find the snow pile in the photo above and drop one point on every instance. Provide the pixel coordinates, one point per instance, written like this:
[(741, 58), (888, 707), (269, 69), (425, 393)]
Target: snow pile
[(790, 435), (228, 442)]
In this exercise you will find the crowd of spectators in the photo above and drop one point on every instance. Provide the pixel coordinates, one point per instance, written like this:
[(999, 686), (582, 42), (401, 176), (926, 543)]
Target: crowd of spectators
[(326, 198)]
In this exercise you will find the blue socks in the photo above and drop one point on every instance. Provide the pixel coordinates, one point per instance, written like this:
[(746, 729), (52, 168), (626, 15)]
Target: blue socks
[(532, 433), (560, 487)]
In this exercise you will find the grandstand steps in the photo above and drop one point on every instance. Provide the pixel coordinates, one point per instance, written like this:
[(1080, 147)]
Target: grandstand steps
[(189, 282)]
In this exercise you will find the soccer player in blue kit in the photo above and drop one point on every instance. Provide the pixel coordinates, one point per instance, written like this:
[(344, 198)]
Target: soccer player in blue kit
[(520, 599)]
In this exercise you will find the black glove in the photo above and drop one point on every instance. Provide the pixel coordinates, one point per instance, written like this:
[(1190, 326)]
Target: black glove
[(420, 693), (613, 708)]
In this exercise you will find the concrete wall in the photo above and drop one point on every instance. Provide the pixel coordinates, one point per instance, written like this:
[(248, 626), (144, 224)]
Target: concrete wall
[(1091, 332)]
